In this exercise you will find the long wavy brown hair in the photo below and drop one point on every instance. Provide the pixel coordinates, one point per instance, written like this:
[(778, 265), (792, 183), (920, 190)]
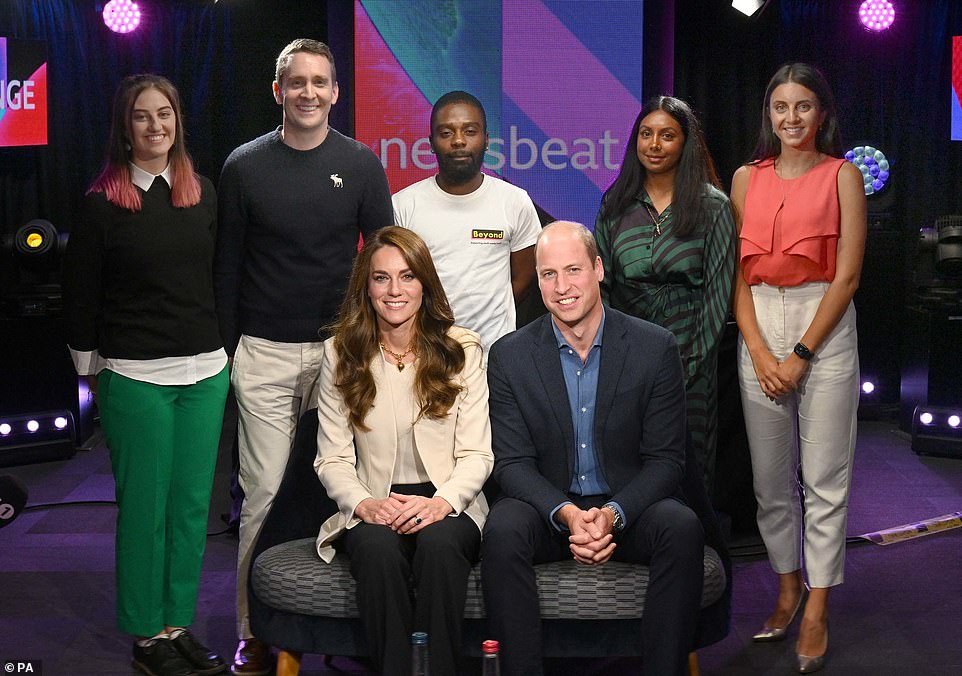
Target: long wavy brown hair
[(440, 357)]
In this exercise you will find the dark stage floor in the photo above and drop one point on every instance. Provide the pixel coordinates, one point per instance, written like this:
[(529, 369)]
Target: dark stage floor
[(898, 613)]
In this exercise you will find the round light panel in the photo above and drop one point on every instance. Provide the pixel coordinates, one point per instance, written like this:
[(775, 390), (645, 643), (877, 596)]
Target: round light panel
[(876, 15), (121, 16), (874, 167)]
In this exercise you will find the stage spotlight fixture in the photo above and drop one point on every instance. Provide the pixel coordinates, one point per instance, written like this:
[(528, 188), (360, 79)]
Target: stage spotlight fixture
[(941, 435), (948, 253), (868, 387), (122, 16), (874, 166), (35, 240), (60, 422), (876, 15), (32, 426), (749, 7), (5, 429)]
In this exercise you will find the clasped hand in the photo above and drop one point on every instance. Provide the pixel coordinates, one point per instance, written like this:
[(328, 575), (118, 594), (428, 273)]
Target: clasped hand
[(778, 378), (591, 541), (405, 514)]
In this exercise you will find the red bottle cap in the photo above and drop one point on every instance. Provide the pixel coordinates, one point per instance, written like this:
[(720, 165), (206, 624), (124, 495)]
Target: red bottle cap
[(490, 647)]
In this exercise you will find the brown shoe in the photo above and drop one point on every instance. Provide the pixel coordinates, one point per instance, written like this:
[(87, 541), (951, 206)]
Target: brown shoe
[(253, 658)]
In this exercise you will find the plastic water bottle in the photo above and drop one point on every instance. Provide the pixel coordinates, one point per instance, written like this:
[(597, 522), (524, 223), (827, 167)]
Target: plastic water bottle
[(490, 663), (419, 654)]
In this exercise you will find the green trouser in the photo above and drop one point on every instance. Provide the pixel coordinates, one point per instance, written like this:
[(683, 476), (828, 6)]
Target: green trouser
[(163, 447)]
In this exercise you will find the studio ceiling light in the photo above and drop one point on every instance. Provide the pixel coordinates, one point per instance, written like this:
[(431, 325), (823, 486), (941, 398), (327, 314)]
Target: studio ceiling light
[(748, 7), (121, 16), (876, 15)]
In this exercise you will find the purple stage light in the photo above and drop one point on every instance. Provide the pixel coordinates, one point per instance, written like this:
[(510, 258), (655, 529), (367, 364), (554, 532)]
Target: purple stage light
[(32, 426), (868, 387), (121, 16), (876, 15), (60, 422), (954, 421), (5, 429), (926, 418)]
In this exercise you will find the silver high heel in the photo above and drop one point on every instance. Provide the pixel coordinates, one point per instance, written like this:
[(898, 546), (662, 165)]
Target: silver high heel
[(772, 634), (808, 664)]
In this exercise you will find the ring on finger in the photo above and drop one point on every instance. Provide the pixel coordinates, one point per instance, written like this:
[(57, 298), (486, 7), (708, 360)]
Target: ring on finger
[(418, 520)]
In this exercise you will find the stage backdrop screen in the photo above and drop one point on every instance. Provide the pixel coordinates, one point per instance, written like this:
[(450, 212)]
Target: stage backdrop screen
[(957, 88), (560, 82), (23, 93)]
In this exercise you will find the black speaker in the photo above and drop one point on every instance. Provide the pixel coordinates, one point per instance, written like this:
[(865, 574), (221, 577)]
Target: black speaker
[(878, 301), (931, 361)]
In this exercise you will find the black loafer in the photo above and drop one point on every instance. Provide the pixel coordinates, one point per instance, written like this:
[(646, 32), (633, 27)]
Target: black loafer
[(160, 658), (201, 659)]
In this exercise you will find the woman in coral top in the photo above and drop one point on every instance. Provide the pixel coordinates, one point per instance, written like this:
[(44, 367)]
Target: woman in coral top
[(801, 214)]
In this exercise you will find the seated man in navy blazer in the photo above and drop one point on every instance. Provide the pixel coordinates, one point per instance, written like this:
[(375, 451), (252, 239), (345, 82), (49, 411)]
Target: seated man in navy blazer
[(588, 428)]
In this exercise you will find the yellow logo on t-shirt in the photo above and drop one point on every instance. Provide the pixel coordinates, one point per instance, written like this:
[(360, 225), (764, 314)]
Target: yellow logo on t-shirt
[(482, 235)]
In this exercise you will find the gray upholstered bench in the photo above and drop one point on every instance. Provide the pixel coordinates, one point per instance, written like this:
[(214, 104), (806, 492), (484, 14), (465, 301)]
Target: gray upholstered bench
[(292, 578)]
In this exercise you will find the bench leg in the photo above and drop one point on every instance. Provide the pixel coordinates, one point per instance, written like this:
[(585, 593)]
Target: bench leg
[(692, 665), (288, 663)]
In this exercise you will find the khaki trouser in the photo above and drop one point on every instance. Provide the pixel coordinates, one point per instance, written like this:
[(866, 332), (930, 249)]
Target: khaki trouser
[(274, 383)]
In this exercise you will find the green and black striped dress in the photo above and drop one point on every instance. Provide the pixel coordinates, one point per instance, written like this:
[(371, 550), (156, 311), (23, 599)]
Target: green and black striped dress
[(684, 285)]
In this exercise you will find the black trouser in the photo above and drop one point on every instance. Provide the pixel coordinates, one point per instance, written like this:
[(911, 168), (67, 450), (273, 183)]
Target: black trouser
[(437, 561), (667, 537)]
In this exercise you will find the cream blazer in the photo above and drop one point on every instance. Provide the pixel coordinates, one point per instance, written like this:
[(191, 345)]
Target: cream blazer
[(355, 465)]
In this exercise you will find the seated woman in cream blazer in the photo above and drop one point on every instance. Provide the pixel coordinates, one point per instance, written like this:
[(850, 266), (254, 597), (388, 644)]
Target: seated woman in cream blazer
[(404, 447)]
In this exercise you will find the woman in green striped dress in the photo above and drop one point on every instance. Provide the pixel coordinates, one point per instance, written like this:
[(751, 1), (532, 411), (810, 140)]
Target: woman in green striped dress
[(667, 239)]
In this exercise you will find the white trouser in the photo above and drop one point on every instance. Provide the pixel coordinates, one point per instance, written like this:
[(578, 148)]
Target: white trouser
[(274, 383), (814, 426)]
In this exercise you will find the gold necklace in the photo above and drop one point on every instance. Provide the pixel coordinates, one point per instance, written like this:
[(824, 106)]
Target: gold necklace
[(781, 181), (656, 221), (399, 357)]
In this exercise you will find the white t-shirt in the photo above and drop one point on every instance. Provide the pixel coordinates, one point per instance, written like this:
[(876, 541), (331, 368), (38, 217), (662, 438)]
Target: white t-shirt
[(471, 238)]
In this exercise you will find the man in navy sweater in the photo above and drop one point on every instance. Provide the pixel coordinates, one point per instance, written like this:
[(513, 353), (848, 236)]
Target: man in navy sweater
[(292, 204)]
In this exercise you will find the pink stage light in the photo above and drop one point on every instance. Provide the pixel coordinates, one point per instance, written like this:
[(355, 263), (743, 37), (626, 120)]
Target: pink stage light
[(876, 15), (121, 16)]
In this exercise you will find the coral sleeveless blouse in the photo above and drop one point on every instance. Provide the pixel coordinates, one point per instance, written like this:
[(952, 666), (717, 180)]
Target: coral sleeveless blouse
[(790, 228)]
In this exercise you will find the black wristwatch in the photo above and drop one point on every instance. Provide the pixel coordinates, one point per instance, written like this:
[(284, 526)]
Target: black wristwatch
[(803, 352), (618, 524)]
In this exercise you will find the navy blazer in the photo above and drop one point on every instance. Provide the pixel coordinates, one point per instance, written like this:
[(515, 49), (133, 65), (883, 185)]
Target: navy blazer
[(640, 426)]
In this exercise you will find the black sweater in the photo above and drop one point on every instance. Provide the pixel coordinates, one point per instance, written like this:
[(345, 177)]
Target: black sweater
[(289, 222), (139, 285)]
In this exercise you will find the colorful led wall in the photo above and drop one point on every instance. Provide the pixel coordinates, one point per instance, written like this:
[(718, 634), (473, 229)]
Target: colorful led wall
[(957, 88), (560, 82), (23, 93)]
